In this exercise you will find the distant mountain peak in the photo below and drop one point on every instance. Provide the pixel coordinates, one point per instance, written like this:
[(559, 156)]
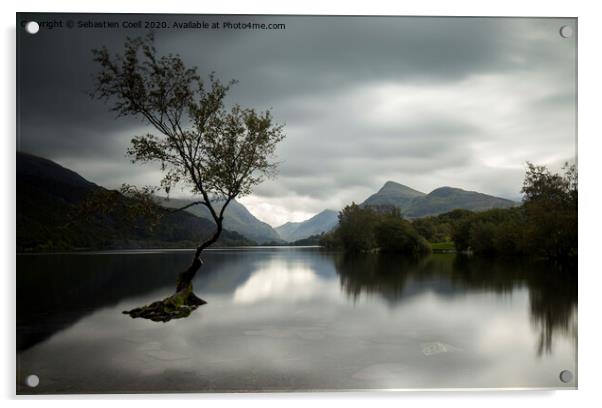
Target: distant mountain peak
[(325, 212), (393, 194), (30, 165), (391, 184), (414, 203), (237, 218), (323, 221), (395, 187), (447, 190)]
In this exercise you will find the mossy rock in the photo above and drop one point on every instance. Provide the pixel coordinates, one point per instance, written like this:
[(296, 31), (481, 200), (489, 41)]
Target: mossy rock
[(177, 306)]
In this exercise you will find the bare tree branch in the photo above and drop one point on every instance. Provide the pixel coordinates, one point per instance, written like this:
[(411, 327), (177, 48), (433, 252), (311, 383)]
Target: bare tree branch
[(188, 206)]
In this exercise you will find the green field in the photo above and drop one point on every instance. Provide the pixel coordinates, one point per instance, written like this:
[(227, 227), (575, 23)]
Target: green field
[(443, 246)]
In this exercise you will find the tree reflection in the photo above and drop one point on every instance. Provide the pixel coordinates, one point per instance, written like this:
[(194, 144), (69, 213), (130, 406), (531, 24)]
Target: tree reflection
[(553, 307), (552, 289), (375, 274)]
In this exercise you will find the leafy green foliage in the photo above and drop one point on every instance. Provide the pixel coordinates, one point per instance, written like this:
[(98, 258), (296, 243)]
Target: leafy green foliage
[(442, 228), (394, 234), (363, 229), (356, 228), (545, 225), (331, 240), (217, 153), (551, 207)]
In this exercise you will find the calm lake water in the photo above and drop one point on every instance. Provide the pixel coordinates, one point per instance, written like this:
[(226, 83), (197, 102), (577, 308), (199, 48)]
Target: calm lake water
[(293, 319)]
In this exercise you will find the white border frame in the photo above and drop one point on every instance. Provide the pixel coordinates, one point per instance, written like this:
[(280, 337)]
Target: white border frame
[(590, 70)]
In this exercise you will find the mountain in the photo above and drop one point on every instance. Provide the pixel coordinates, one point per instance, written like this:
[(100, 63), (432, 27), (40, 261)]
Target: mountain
[(414, 204), (50, 199), (286, 230), (236, 218), (319, 223), (47, 177), (445, 199), (394, 194)]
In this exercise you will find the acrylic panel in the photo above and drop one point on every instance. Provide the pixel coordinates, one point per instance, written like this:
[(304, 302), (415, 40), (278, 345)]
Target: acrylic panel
[(243, 203)]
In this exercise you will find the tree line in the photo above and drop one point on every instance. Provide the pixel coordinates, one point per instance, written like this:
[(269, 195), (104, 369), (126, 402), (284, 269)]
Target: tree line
[(544, 225)]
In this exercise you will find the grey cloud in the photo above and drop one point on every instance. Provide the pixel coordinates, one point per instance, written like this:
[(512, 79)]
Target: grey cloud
[(322, 76)]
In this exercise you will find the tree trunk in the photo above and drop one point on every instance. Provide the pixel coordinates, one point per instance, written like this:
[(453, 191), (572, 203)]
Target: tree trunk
[(185, 278), (183, 301)]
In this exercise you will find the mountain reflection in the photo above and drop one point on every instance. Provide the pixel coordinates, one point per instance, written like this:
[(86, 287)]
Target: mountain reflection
[(552, 290), (56, 291)]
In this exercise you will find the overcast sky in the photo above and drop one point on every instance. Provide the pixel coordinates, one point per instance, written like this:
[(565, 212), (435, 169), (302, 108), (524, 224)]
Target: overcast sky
[(426, 102)]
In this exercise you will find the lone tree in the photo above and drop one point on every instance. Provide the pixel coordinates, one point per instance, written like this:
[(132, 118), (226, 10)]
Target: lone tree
[(217, 153)]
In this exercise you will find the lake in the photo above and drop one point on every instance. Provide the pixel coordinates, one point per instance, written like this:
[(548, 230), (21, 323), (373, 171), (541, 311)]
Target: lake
[(280, 319)]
